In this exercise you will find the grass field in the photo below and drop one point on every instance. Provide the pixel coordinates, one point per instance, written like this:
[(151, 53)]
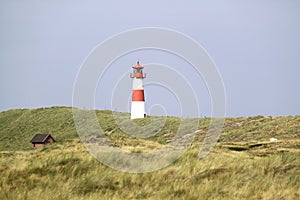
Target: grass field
[(243, 165)]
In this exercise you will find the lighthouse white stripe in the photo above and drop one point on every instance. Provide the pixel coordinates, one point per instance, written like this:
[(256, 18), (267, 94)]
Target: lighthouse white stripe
[(137, 84), (137, 109)]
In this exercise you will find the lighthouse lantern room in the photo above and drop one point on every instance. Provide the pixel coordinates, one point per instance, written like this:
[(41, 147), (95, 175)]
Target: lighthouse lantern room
[(138, 97)]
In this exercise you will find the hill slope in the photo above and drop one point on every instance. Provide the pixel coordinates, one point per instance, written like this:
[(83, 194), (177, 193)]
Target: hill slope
[(18, 127), (243, 165)]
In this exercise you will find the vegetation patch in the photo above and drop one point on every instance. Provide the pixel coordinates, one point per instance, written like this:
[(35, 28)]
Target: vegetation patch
[(244, 164)]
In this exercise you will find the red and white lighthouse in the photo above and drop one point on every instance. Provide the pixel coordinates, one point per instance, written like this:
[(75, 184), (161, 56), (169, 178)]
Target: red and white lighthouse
[(138, 97)]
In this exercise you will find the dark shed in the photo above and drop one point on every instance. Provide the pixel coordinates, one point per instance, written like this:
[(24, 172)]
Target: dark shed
[(39, 140)]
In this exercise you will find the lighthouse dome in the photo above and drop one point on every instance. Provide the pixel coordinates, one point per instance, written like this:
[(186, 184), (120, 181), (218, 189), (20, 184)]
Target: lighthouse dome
[(138, 66)]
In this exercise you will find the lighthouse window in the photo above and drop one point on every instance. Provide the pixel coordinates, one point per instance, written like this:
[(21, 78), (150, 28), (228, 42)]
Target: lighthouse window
[(138, 70)]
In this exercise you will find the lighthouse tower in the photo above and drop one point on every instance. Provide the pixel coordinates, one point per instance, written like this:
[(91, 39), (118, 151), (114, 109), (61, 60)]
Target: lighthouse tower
[(138, 98)]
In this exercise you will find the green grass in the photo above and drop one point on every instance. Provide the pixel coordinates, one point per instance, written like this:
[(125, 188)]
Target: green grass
[(243, 165)]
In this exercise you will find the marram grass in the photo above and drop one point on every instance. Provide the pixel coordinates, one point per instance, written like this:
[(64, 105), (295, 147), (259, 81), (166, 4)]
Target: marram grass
[(243, 165)]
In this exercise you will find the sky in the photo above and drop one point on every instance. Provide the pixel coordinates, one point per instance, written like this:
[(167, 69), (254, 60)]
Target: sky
[(254, 44)]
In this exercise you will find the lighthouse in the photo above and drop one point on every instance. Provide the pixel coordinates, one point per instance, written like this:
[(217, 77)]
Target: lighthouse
[(138, 97)]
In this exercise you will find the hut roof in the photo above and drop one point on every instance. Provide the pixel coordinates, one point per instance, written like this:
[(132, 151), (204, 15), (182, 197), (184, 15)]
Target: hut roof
[(40, 138)]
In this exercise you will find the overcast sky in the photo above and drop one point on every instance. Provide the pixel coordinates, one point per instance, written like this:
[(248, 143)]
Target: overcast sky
[(255, 45)]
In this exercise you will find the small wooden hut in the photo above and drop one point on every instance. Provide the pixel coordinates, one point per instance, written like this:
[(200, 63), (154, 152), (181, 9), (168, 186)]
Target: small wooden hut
[(40, 140)]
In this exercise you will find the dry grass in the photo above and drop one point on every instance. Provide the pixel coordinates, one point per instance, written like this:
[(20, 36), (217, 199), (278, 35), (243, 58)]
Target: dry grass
[(243, 165), (70, 172)]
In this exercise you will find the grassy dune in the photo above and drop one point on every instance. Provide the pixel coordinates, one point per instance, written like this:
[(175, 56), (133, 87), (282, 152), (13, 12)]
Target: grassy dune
[(243, 165)]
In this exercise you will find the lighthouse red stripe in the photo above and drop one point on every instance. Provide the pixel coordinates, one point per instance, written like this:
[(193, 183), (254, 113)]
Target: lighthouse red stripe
[(138, 95)]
